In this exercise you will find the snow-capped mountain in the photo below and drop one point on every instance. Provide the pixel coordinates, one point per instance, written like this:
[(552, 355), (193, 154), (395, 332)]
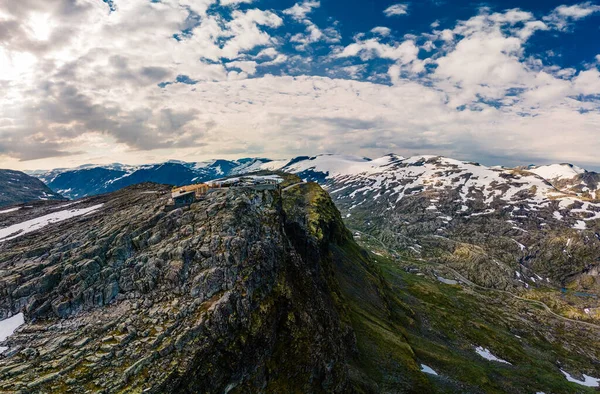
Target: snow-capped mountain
[(498, 226), (17, 187), (91, 180), (570, 178), (479, 187)]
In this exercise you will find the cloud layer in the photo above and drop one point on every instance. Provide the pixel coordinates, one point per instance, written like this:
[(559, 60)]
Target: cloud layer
[(139, 80)]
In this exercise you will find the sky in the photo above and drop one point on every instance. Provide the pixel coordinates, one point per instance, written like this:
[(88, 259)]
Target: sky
[(141, 81)]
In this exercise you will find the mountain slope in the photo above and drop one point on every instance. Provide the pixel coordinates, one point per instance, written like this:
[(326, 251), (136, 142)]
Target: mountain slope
[(17, 187), (205, 297), (250, 291), (505, 228)]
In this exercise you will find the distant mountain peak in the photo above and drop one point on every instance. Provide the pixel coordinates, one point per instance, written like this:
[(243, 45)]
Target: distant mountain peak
[(16, 187)]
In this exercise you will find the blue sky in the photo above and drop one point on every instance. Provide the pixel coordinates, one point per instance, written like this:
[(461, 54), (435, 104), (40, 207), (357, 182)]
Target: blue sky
[(99, 81)]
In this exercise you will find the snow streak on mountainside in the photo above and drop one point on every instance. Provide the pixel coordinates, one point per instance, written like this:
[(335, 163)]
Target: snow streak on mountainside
[(17, 187)]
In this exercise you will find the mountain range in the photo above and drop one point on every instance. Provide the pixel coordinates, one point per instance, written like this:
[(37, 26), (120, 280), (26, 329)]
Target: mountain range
[(420, 274), (506, 228), (89, 180), (92, 179)]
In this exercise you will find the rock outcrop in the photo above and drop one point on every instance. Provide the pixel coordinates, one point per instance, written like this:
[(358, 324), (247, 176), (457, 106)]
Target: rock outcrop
[(215, 297)]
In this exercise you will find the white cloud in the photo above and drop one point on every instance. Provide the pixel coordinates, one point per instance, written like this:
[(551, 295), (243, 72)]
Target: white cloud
[(249, 66), (300, 10), (404, 53), (267, 53), (563, 15), (83, 85), (588, 82), (198, 6), (312, 33), (381, 30), (235, 2), (396, 9), (245, 32), (577, 11)]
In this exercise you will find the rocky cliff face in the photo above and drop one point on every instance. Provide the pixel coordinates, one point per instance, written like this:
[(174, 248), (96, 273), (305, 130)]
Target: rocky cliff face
[(231, 294), (17, 187)]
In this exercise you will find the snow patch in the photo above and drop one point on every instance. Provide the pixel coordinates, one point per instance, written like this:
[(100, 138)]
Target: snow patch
[(9, 326), (485, 353), (19, 229), (557, 171), (587, 381), (10, 210), (428, 370)]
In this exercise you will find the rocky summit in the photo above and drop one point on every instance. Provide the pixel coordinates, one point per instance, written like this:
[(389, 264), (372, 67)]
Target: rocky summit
[(130, 298)]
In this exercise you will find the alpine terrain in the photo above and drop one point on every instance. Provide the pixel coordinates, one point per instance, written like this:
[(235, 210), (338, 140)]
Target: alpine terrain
[(249, 290)]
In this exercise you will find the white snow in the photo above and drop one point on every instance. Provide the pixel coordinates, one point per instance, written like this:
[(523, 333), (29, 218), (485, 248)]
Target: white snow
[(447, 281), (19, 229), (580, 225), (557, 171), (336, 165), (258, 178), (8, 327), (429, 370), (587, 381), (10, 210), (485, 353), (567, 202), (273, 165)]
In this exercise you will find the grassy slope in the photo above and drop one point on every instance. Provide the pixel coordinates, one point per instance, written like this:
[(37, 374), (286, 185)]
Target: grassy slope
[(450, 321)]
